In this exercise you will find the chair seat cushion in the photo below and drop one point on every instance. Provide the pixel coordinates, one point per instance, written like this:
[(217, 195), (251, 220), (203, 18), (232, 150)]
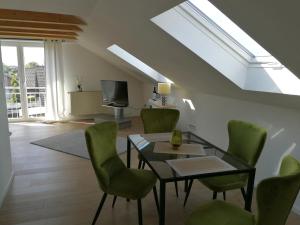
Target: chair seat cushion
[(220, 213), (224, 183), (132, 183)]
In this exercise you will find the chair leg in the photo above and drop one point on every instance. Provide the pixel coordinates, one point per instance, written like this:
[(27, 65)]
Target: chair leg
[(99, 208), (186, 185), (176, 188), (215, 195), (243, 193), (140, 211), (224, 195), (188, 192), (140, 164), (156, 198), (114, 201), (143, 165)]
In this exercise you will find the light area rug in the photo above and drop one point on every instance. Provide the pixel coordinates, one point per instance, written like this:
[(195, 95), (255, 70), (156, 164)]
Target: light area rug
[(73, 143)]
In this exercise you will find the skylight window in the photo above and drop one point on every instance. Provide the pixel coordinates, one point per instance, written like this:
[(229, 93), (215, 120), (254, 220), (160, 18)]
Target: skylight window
[(138, 64), (207, 32), (224, 23)]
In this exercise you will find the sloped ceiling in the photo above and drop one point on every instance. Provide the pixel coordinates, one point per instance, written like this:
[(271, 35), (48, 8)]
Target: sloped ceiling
[(272, 23), (127, 23)]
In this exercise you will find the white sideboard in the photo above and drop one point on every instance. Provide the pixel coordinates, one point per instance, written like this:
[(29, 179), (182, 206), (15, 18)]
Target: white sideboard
[(88, 103)]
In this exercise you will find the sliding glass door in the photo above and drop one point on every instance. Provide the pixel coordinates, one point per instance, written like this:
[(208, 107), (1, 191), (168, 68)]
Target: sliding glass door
[(24, 79), (12, 82), (35, 85)]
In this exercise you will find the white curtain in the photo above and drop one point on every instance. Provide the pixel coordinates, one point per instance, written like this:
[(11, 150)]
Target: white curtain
[(55, 107)]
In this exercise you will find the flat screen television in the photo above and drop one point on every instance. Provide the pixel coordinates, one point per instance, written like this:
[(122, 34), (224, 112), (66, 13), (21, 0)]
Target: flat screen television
[(114, 93)]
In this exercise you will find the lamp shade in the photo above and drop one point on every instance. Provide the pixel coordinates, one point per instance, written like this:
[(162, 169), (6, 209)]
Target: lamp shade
[(164, 88)]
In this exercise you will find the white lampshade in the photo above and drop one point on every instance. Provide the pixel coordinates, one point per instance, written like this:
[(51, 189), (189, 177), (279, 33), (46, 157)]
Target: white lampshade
[(164, 88)]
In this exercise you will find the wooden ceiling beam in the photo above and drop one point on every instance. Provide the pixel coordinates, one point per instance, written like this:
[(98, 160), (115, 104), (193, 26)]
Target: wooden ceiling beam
[(41, 17), (35, 36), (39, 26), (31, 31)]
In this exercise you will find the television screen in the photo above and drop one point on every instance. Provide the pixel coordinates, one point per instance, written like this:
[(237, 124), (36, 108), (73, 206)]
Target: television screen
[(114, 93)]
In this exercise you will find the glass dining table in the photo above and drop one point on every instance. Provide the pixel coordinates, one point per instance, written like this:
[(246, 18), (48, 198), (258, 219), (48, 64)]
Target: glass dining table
[(195, 159)]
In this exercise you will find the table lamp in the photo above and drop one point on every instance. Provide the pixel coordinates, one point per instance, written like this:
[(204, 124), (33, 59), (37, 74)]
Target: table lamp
[(164, 89)]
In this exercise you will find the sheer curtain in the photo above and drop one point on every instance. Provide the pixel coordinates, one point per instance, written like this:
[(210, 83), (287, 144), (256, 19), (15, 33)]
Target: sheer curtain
[(55, 107)]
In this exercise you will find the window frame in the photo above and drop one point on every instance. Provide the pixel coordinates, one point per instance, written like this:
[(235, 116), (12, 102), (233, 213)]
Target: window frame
[(200, 20)]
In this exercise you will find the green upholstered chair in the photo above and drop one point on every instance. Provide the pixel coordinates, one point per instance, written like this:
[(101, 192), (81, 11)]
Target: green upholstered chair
[(158, 120), (246, 142), (113, 176), (275, 197)]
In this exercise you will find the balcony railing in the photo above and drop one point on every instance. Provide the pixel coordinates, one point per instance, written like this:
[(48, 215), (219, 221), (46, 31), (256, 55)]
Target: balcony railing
[(36, 102)]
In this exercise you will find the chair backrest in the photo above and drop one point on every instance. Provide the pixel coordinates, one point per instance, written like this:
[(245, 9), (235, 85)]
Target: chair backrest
[(276, 195), (101, 144), (159, 120), (246, 140)]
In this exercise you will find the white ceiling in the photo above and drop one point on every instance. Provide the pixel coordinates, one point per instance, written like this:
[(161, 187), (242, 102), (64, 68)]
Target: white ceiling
[(127, 24)]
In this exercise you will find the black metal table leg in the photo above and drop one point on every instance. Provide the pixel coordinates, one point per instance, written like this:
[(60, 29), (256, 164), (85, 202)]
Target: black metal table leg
[(128, 156), (250, 188), (188, 191), (162, 200), (128, 152)]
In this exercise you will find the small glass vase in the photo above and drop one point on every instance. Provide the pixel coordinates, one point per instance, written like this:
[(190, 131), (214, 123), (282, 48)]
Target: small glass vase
[(176, 139)]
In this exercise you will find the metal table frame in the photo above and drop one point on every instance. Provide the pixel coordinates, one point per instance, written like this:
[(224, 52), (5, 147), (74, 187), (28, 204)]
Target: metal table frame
[(162, 181)]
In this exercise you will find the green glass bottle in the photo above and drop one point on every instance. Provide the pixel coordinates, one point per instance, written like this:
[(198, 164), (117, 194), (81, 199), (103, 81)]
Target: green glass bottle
[(176, 140)]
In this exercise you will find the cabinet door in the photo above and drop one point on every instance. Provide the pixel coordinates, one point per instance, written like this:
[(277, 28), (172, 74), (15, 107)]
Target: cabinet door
[(88, 103)]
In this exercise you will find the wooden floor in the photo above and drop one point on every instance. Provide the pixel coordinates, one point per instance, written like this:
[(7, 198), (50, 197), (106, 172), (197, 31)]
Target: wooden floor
[(53, 188)]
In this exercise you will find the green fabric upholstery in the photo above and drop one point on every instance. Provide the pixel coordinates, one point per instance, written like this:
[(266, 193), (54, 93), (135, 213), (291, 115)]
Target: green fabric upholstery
[(113, 176), (246, 142), (275, 198), (220, 213), (159, 120), (225, 183), (132, 183)]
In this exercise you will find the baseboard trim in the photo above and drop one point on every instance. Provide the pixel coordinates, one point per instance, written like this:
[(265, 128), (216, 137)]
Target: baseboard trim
[(6, 189)]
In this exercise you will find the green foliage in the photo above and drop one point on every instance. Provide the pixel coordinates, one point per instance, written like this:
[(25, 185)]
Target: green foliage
[(31, 98), (8, 70), (14, 83), (31, 65)]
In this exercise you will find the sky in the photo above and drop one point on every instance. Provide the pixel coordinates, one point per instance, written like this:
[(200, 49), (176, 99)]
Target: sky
[(31, 54)]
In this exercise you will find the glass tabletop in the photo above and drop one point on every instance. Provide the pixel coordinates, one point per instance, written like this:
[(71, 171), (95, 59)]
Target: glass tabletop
[(195, 158)]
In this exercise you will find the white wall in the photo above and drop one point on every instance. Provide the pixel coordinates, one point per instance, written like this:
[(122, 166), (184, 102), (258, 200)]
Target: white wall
[(209, 120), (80, 62), (5, 155), (276, 80)]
